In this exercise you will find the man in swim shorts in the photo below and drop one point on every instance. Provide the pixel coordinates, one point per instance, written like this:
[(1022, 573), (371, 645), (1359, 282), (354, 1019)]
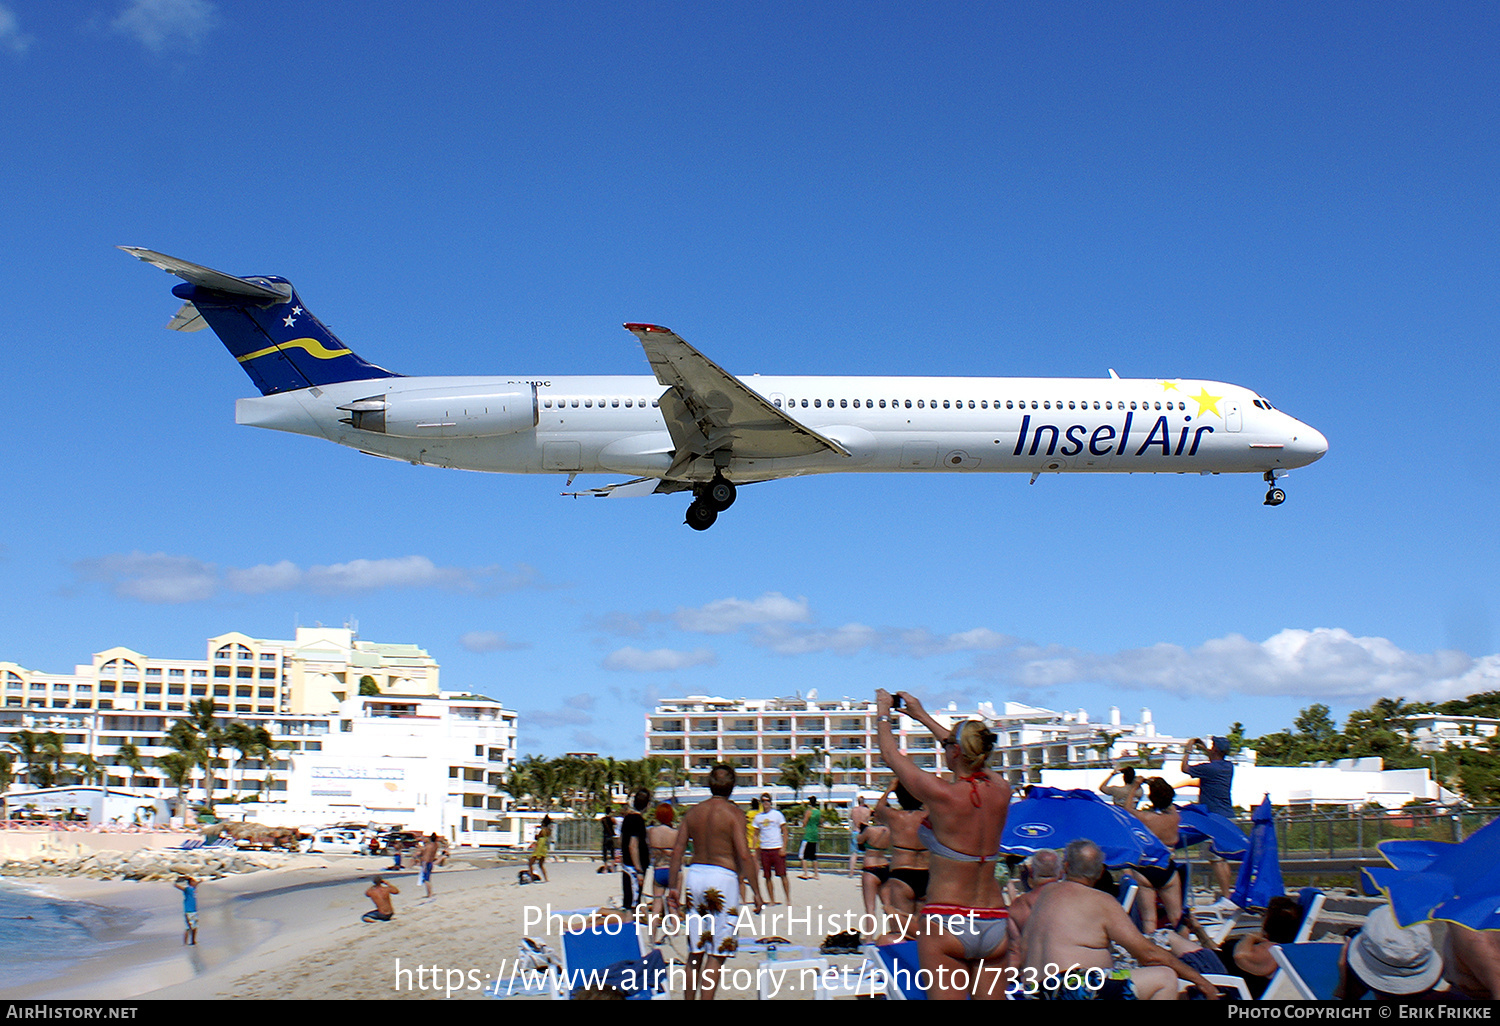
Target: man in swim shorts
[(380, 893), (710, 887), (189, 888), (811, 834)]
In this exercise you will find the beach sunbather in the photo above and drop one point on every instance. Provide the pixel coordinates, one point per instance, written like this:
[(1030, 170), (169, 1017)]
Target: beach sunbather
[(380, 893)]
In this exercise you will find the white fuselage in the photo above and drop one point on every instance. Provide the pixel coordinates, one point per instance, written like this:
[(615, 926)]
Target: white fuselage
[(612, 424)]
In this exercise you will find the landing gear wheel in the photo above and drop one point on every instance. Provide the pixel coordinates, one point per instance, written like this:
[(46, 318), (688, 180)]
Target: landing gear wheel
[(720, 494), (701, 517), (1275, 497)]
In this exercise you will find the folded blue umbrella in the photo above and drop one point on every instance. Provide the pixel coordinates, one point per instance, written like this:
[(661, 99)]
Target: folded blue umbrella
[(1260, 869), (1050, 818), (1199, 825)]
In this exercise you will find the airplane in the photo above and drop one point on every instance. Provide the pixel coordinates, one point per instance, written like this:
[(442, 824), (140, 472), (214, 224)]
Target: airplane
[(696, 428)]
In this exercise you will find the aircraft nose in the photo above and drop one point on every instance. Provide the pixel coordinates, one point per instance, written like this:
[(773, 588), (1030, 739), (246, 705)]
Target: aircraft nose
[(1309, 442)]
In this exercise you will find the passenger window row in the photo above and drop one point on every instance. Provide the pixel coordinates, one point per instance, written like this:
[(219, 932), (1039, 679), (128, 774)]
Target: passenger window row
[(920, 404), (547, 404), (983, 404)]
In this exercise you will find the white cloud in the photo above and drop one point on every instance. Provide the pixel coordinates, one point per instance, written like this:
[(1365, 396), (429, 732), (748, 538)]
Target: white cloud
[(725, 616), (845, 640), (658, 660), (1326, 663), (544, 719), (913, 642), (156, 578), (490, 641), (11, 36), (160, 25), (163, 578)]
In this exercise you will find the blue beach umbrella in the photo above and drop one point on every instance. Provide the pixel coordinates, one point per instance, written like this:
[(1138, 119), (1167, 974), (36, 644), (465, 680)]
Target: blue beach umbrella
[(1050, 818), (1198, 825), (1260, 871), (1460, 883)]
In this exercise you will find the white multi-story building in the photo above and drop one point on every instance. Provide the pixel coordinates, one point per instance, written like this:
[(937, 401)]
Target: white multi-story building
[(429, 762), (410, 754), (757, 735), (1432, 732), (311, 673)]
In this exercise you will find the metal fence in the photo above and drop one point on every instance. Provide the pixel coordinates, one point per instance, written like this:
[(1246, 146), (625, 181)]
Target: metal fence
[(1336, 832), (1307, 836)]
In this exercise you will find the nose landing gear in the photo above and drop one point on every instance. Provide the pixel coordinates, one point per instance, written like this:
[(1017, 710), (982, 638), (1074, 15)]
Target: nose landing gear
[(709, 500), (1275, 496)]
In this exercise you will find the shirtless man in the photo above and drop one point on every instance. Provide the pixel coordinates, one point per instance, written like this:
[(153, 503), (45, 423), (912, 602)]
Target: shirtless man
[(710, 887), (380, 893), (1126, 794), (1070, 931), (1043, 868), (962, 928), (1471, 962), (1163, 820), (909, 872), (427, 859)]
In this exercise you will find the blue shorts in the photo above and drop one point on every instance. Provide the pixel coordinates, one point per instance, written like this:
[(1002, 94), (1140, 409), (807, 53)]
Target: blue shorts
[(426, 872)]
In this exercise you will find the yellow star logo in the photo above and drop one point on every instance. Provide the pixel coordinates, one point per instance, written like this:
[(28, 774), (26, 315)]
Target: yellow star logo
[(1207, 402), (1169, 386)]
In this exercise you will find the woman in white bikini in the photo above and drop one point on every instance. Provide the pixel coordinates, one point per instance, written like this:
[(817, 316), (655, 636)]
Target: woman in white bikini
[(962, 932)]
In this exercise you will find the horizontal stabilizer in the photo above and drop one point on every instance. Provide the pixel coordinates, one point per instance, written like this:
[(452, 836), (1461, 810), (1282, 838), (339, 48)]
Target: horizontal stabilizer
[(208, 278), (263, 324)]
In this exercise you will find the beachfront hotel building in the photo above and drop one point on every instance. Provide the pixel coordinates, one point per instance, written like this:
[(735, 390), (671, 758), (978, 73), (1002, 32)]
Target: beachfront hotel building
[(311, 673), (411, 754), (758, 735)]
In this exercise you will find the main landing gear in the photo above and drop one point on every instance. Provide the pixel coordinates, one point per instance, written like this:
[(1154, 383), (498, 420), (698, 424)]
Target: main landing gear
[(709, 500), (1275, 496)]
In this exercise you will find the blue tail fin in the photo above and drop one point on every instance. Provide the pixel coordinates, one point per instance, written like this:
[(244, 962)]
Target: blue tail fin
[(264, 325)]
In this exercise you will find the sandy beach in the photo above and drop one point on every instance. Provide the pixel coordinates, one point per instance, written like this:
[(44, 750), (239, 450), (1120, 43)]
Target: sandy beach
[(295, 932)]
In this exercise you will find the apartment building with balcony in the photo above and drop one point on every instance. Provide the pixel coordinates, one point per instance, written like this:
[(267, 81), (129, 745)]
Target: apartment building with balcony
[(310, 673), (757, 735), (410, 754)]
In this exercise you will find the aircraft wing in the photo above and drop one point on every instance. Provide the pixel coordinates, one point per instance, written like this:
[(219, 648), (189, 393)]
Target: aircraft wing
[(707, 409), (634, 487)]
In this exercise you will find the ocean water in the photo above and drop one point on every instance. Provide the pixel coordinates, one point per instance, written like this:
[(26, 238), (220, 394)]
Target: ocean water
[(42, 936)]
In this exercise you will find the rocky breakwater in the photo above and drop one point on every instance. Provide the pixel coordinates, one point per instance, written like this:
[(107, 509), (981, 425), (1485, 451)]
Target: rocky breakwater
[(145, 864)]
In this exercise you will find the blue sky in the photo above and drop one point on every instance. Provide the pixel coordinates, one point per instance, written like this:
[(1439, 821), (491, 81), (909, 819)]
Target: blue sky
[(1297, 198)]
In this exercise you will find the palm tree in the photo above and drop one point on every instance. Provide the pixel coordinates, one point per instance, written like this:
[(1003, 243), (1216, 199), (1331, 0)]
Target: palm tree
[(54, 753), (7, 770), (266, 748), (184, 741), (795, 773), (28, 746), (90, 768), (853, 764), (517, 784), (1104, 743), (201, 717), (129, 756), (178, 769), (244, 739), (674, 775)]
